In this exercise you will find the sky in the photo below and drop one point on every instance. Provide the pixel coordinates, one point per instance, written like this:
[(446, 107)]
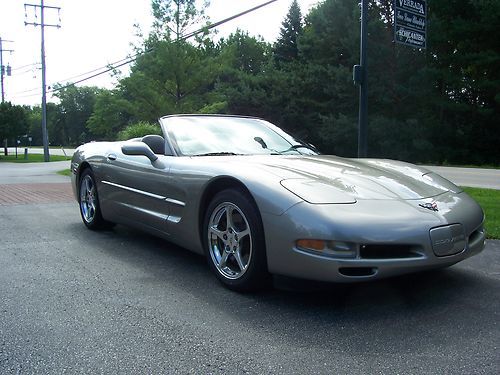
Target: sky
[(95, 33)]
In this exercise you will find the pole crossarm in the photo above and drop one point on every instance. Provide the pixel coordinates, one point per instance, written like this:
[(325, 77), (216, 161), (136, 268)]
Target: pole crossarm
[(39, 24), (40, 6)]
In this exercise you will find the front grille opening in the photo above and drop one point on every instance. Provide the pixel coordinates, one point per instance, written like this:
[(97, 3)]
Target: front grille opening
[(358, 271), (389, 251)]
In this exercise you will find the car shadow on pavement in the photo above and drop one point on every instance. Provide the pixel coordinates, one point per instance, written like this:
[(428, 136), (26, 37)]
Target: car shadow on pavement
[(420, 291), (396, 315)]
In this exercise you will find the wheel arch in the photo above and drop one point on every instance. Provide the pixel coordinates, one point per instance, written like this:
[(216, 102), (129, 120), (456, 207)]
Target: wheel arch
[(215, 186), (82, 168)]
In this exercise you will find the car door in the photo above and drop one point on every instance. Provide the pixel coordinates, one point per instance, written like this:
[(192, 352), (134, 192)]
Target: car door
[(138, 190)]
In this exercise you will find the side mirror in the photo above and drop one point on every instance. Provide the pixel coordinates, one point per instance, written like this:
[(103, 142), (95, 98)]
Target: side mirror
[(139, 148)]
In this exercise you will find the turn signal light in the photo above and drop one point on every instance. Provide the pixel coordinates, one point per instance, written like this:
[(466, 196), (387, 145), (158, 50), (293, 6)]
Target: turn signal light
[(336, 249), (317, 245)]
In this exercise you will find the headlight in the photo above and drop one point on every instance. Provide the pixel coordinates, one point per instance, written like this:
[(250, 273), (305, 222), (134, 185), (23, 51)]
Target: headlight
[(337, 249), (317, 192), (440, 182)]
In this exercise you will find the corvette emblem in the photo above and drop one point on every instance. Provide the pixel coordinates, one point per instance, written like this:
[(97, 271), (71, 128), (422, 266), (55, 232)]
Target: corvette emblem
[(430, 206)]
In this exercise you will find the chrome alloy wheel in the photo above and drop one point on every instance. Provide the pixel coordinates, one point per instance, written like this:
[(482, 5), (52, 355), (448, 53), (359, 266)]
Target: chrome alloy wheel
[(229, 240), (88, 199)]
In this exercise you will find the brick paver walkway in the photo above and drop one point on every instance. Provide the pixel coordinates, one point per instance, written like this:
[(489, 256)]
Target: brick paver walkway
[(35, 193)]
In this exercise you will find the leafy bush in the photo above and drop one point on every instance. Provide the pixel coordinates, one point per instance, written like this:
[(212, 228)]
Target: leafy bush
[(139, 129)]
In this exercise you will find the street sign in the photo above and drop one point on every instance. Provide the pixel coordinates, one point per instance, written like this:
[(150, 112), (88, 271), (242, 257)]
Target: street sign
[(410, 22)]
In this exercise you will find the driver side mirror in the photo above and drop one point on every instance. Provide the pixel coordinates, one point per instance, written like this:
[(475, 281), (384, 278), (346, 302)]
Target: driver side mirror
[(139, 148)]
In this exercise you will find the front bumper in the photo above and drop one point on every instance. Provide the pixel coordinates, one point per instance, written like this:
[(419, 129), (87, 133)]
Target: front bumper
[(375, 228)]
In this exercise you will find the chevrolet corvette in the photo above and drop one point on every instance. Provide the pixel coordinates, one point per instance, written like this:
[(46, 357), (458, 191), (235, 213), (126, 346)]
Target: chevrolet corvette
[(255, 201)]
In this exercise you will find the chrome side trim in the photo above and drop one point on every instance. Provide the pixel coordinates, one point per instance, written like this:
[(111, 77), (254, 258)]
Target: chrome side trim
[(174, 219), (175, 201), (143, 210), (135, 190)]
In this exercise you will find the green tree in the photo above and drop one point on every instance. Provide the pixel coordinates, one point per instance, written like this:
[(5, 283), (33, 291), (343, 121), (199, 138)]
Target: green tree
[(175, 77), (34, 118), (438, 104), (174, 18), (465, 61), (139, 129), (13, 121), (286, 47), (244, 53), (245, 80), (323, 78), (111, 113), (75, 108)]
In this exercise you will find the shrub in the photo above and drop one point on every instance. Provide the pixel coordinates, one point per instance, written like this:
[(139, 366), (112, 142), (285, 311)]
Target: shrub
[(138, 130)]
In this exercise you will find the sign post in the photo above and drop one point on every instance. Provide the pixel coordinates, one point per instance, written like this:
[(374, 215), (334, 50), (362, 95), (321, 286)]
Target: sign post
[(410, 22), (360, 77)]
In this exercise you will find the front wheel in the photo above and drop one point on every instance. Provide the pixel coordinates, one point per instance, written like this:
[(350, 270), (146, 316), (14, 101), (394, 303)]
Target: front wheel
[(234, 241)]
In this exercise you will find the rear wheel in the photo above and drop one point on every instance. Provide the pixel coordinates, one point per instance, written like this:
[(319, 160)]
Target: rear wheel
[(89, 202), (234, 241)]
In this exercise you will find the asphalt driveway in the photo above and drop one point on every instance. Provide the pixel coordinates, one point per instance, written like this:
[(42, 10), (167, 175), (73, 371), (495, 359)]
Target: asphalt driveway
[(120, 301)]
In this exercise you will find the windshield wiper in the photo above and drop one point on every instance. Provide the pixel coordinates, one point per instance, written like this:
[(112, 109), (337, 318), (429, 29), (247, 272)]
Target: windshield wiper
[(217, 154), (299, 145)]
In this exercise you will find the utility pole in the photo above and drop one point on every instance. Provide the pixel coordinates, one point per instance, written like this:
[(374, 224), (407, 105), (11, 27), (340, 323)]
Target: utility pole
[(2, 67), (360, 75), (42, 25)]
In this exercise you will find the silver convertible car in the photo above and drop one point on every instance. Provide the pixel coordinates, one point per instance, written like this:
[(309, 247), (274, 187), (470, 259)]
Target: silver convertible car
[(255, 201)]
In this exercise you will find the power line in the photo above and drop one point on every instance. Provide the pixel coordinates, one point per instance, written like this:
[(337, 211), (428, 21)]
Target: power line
[(25, 66), (28, 95), (133, 58), (127, 60), (25, 91)]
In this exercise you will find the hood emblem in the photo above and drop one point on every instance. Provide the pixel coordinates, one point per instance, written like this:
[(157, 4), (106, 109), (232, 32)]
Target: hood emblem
[(430, 206)]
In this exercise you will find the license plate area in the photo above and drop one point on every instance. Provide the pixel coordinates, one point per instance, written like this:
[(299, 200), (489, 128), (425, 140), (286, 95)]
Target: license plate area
[(448, 240)]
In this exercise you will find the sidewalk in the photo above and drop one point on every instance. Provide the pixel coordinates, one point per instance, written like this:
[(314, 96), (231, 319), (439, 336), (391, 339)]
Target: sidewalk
[(30, 173), (37, 150), (25, 183)]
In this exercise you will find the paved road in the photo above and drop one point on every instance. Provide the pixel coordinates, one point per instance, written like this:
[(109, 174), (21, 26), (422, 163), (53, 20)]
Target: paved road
[(474, 177)]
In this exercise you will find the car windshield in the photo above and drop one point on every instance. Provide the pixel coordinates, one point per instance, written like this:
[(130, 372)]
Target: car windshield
[(213, 135)]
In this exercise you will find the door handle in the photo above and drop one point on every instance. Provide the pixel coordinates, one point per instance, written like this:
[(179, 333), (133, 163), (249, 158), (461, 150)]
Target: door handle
[(111, 156)]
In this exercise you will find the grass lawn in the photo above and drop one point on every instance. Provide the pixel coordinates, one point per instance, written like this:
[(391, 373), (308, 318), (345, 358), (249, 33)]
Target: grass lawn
[(489, 199), (65, 172), (32, 158)]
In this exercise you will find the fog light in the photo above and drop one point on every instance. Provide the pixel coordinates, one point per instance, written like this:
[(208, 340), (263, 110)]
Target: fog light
[(331, 248)]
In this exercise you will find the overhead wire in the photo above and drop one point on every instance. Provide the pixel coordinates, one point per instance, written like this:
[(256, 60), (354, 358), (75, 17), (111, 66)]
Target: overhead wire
[(24, 66), (133, 58), (128, 60)]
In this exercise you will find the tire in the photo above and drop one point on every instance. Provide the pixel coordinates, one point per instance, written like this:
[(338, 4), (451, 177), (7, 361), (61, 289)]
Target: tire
[(235, 248), (88, 201)]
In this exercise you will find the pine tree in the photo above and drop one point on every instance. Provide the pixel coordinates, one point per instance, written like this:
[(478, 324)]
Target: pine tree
[(285, 49)]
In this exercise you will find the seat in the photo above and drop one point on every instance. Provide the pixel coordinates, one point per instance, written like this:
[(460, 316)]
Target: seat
[(156, 143)]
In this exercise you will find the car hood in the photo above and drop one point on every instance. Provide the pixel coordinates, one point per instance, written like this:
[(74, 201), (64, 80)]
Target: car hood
[(330, 179)]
